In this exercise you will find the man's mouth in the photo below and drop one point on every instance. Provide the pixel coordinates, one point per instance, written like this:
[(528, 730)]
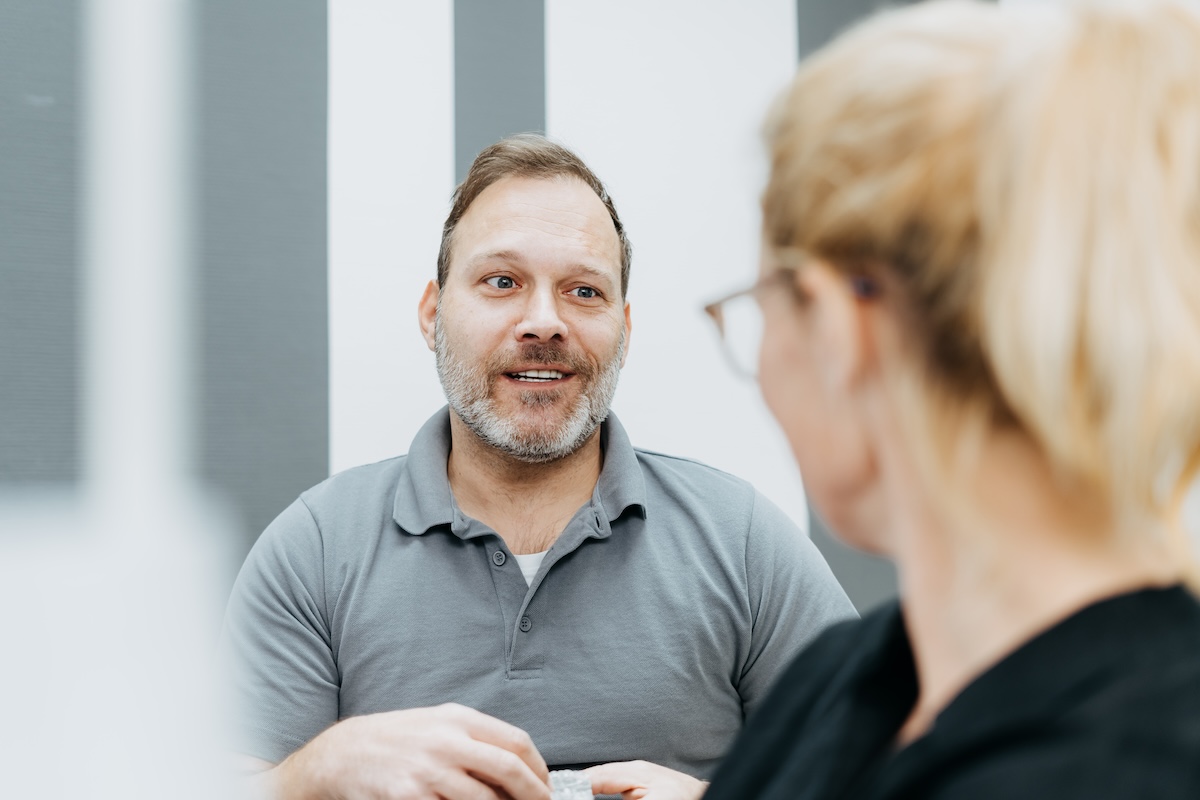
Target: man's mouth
[(537, 375)]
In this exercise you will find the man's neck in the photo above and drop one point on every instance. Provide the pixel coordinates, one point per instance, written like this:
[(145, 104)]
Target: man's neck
[(528, 505)]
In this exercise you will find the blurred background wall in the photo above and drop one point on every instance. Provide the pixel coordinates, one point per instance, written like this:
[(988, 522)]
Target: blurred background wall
[(261, 279), (40, 287)]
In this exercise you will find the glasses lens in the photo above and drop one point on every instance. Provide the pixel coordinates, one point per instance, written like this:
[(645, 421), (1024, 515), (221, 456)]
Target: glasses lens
[(743, 331)]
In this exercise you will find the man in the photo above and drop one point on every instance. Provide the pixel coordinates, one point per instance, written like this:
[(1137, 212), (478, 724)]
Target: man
[(524, 587)]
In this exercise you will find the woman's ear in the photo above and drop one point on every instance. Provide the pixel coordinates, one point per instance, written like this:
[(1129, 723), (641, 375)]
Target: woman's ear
[(840, 313)]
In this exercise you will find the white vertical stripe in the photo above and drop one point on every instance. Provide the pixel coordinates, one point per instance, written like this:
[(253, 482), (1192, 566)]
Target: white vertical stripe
[(136, 246), (391, 172), (665, 101)]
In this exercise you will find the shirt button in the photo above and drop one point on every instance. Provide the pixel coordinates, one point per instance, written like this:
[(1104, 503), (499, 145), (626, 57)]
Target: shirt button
[(498, 558), (526, 624)]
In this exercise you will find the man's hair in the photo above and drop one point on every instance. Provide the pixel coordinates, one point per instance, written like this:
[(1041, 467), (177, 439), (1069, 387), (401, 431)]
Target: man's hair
[(525, 155)]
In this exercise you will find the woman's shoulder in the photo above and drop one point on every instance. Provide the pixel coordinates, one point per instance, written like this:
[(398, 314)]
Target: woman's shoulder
[(843, 655), (810, 707), (1106, 704)]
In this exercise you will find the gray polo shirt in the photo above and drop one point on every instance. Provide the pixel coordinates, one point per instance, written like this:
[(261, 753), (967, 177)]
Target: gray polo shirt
[(656, 623)]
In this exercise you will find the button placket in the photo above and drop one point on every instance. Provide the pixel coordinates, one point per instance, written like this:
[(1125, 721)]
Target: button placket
[(526, 653), (526, 656), (509, 585)]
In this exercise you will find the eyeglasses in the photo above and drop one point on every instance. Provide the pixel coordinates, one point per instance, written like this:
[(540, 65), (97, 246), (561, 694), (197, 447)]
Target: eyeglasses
[(739, 317), (739, 322)]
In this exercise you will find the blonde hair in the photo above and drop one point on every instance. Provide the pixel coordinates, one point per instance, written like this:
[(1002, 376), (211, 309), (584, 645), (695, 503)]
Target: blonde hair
[(1029, 179)]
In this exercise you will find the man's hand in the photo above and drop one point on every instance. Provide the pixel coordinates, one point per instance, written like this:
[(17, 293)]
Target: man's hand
[(448, 752), (635, 780)]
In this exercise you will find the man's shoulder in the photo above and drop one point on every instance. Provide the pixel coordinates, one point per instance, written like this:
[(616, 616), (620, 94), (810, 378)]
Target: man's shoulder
[(824, 671), (367, 484), (842, 653), (690, 470), (705, 489)]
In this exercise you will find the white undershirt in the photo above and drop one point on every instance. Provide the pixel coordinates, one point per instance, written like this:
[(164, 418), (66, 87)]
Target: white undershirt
[(529, 564)]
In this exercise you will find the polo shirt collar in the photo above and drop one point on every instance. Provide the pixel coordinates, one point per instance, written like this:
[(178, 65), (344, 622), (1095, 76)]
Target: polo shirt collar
[(621, 485), (423, 499)]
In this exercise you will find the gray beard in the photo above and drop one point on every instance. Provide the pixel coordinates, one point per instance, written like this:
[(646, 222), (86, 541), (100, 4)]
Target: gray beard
[(468, 391)]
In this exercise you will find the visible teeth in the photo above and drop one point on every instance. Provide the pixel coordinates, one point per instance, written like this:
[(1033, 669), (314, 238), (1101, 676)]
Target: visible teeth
[(538, 375)]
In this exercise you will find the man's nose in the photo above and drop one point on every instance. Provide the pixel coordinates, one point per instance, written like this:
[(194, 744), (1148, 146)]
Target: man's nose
[(541, 320)]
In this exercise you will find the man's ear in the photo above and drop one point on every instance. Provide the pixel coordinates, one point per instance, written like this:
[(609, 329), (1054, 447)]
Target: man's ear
[(427, 313), (628, 332), (840, 329)]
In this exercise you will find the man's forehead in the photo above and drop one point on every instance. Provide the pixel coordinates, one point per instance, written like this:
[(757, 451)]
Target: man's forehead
[(516, 213), (519, 196)]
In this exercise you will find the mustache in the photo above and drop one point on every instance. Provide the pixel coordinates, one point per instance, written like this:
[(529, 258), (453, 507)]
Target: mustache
[(543, 353)]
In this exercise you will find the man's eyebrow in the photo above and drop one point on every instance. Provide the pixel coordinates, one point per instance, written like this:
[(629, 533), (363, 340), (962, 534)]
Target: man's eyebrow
[(498, 255), (599, 274)]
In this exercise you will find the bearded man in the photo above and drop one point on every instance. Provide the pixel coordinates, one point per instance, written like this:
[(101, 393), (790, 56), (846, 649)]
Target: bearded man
[(523, 588)]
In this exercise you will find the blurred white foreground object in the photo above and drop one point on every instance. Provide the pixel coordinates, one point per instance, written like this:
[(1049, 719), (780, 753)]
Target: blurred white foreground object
[(567, 784), (109, 677)]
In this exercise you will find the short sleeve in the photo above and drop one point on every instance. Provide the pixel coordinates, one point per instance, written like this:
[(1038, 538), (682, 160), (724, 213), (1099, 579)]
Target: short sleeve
[(793, 598), (276, 639)]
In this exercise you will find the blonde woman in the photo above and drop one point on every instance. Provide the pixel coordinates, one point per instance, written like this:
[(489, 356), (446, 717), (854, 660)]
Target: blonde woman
[(981, 294)]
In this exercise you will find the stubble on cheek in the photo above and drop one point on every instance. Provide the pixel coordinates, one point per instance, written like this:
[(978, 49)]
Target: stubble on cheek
[(536, 423)]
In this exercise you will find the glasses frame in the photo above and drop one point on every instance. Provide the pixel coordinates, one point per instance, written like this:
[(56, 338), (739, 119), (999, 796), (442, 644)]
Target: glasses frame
[(863, 286), (715, 312)]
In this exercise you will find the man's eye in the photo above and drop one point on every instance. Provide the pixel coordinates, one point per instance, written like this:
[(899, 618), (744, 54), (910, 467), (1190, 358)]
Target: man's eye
[(500, 282), (586, 292)]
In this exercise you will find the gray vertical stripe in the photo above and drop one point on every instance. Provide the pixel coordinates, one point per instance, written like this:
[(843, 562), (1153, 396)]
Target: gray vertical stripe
[(867, 579), (40, 374), (262, 276), (499, 73), (818, 21)]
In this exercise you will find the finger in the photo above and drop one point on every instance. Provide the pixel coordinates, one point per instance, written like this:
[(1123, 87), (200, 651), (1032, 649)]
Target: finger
[(502, 769), (616, 777), (496, 732), (453, 784)]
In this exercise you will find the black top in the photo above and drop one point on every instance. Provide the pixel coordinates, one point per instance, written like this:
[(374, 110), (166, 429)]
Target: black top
[(1105, 704)]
